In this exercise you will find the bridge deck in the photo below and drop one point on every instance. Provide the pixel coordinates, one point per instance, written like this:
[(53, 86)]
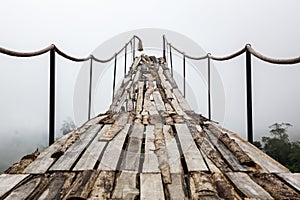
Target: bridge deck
[(149, 145)]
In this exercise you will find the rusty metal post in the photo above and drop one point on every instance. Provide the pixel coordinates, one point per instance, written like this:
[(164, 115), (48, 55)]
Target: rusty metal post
[(184, 75), (249, 97), (52, 98), (208, 87), (114, 81), (90, 87)]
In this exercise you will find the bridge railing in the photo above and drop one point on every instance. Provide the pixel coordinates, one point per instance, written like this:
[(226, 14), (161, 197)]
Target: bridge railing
[(248, 51), (52, 49)]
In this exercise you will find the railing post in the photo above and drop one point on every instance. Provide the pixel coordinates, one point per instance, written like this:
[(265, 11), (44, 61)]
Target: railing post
[(208, 86), (249, 97), (133, 49), (164, 48), (52, 97), (125, 64), (184, 75), (171, 60), (90, 87), (114, 81)]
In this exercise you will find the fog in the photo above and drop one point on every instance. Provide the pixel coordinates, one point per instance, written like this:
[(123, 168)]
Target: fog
[(79, 27)]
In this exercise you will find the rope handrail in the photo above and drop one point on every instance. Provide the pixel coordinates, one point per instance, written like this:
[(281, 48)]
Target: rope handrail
[(272, 60), (69, 57), (236, 54)]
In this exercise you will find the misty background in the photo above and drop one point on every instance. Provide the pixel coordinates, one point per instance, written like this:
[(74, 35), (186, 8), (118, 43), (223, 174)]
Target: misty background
[(79, 27)]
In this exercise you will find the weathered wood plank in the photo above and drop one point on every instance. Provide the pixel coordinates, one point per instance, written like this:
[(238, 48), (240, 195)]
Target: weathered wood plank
[(103, 186), (151, 186), (42, 163), (265, 162), (150, 164), (247, 186), (113, 151), (170, 78), (172, 149), (9, 181), (164, 84), (95, 120), (175, 188), (54, 188), (139, 104), (201, 186), (292, 178), (83, 185), (160, 106), (126, 187), (115, 128), (132, 157), (182, 101), (226, 153), (91, 155), (192, 155), (162, 153), (25, 190), (66, 161)]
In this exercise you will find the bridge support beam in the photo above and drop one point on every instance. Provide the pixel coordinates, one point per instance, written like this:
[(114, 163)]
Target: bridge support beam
[(52, 98)]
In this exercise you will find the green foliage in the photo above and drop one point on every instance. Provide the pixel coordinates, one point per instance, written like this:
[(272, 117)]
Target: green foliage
[(280, 148), (67, 126)]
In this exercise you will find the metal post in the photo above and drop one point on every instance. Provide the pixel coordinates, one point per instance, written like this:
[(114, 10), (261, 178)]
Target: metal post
[(90, 87), (114, 82), (52, 97), (164, 48), (208, 85), (171, 60), (125, 64), (133, 50), (184, 75), (249, 97)]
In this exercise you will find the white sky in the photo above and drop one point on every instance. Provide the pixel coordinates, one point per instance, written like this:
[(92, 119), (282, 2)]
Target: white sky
[(220, 27)]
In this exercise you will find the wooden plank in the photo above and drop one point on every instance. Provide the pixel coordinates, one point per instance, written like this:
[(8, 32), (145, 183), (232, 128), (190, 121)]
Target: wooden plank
[(113, 151), (179, 110), (91, 155), (160, 106), (164, 84), (95, 120), (292, 178), (42, 163), (265, 162), (226, 153), (170, 78), (247, 186), (150, 164), (176, 187), (9, 181), (115, 128), (82, 185), (182, 101), (55, 187), (151, 186), (126, 187), (103, 186), (172, 149), (201, 186), (24, 191), (139, 104), (192, 155), (65, 162), (133, 153)]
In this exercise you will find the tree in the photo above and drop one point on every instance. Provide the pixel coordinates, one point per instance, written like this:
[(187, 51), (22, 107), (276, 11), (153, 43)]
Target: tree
[(67, 126), (278, 146)]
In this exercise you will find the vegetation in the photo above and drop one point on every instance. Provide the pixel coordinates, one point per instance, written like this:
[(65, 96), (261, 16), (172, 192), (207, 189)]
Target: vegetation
[(279, 147), (67, 126)]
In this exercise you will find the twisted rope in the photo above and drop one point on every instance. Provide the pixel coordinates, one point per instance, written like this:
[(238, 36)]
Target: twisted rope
[(61, 53), (236, 54)]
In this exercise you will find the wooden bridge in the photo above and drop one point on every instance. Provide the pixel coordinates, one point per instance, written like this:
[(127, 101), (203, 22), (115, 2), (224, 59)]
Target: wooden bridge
[(149, 145)]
